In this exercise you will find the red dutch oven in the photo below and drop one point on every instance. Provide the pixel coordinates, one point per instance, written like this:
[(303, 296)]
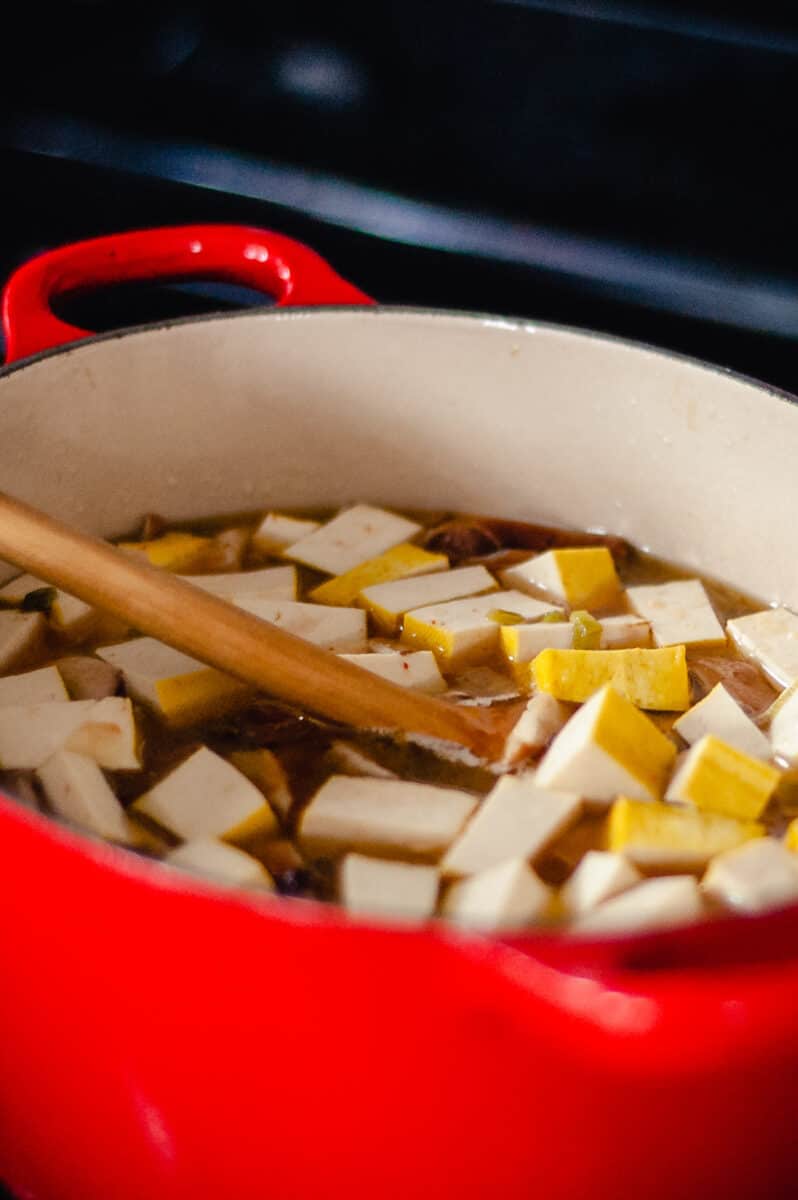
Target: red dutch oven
[(164, 1038)]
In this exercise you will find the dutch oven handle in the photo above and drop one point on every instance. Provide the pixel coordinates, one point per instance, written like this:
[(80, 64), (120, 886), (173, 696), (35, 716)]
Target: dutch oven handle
[(257, 258)]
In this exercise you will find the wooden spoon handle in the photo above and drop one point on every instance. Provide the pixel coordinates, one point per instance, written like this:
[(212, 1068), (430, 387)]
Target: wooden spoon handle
[(221, 635)]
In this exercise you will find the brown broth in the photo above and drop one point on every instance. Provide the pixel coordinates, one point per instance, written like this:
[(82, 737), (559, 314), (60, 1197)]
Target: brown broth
[(302, 744)]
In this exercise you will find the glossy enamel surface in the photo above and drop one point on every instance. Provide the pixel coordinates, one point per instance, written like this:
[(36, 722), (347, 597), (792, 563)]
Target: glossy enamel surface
[(290, 272)]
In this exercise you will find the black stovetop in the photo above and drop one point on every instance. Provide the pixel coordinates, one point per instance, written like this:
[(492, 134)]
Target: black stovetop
[(614, 165)]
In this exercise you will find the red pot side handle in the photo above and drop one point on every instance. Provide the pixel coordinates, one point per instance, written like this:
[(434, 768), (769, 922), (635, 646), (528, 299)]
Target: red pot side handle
[(257, 258)]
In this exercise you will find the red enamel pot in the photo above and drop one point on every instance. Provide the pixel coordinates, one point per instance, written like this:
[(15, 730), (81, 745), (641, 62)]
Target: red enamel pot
[(164, 1038)]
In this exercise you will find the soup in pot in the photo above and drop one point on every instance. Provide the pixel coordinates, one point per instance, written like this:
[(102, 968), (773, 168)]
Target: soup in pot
[(647, 778)]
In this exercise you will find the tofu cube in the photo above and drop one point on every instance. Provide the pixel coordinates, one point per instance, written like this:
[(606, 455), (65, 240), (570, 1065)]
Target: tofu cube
[(679, 613), (34, 687), (32, 733), (506, 896), (517, 819), (401, 562), (77, 790), (718, 713), (521, 643), (718, 778), (272, 583), (416, 669), (541, 720), (624, 632), (599, 876), (653, 904), (665, 836), (21, 635), (462, 633), (70, 616), (581, 578), (783, 730), (751, 878), (353, 536), (342, 629), (608, 748), (277, 532), (653, 679), (769, 638), (108, 735), (376, 887), (221, 863), (387, 603), (207, 797), (178, 687), (389, 817), (173, 551)]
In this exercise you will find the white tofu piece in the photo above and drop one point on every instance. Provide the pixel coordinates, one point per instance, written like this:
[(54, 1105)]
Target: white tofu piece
[(624, 632), (719, 713), (388, 602), (581, 577), (412, 669), (384, 816), (207, 797), (20, 635), (338, 628), (599, 876), (506, 896), (517, 819), (272, 583), (522, 643), (31, 733), (784, 725), (220, 863), (177, 686), (68, 614), (608, 748), (376, 887), (758, 875), (277, 532), (109, 735), (655, 903), (352, 537), (679, 612), (541, 720), (770, 638), (33, 687), (76, 789), (461, 632)]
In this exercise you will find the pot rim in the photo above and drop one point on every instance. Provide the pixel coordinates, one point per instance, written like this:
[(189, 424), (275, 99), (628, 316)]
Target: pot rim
[(375, 311)]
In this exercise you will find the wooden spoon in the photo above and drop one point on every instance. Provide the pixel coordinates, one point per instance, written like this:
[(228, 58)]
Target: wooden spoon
[(158, 603)]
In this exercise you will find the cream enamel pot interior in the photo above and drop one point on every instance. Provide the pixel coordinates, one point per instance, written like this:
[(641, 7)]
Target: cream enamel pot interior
[(167, 1039)]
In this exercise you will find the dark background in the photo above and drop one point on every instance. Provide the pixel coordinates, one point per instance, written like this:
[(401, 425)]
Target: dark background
[(617, 165), (621, 165)]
